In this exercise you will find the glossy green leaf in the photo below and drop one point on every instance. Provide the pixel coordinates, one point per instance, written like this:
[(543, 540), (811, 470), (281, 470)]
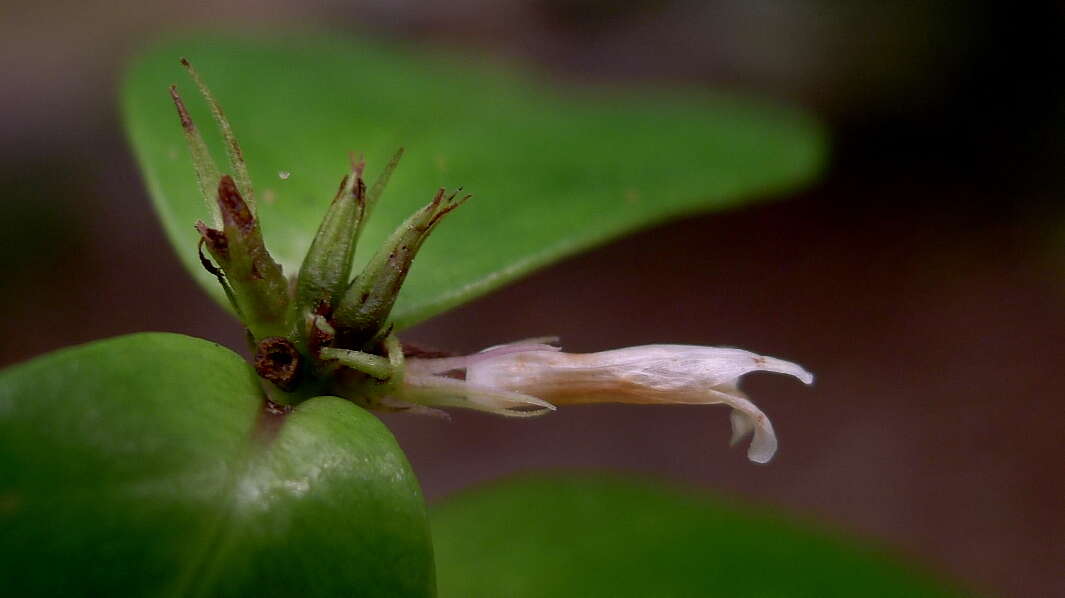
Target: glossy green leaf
[(590, 537), (145, 465), (553, 169)]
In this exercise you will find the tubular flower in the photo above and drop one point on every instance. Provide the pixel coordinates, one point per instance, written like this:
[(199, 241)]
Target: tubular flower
[(529, 378)]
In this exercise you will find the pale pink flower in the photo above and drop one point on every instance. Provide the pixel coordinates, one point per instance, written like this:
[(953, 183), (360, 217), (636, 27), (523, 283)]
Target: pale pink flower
[(530, 378)]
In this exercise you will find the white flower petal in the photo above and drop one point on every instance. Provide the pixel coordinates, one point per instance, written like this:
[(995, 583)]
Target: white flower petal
[(764, 442), (440, 365), (780, 366), (712, 366), (742, 426), (536, 340), (438, 391)]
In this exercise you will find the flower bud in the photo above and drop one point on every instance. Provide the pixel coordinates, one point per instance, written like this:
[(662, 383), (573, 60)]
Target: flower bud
[(327, 267), (363, 311)]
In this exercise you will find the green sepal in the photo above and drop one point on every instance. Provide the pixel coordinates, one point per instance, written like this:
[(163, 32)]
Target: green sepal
[(258, 285), (364, 309), (327, 267), (233, 151), (202, 163)]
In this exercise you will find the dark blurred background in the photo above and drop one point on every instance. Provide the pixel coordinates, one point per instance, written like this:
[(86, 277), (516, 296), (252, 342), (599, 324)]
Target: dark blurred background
[(921, 279)]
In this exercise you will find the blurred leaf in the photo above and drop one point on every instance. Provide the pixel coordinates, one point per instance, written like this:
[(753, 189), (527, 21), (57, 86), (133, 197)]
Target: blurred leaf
[(145, 465), (552, 170), (588, 537)]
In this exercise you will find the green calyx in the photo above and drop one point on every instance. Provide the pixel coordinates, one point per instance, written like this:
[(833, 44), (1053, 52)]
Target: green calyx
[(367, 302), (322, 331)]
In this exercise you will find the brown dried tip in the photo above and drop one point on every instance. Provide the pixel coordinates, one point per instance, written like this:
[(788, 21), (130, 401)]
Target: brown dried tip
[(360, 191), (358, 163), (183, 112), (234, 208), (278, 361), (216, 240), (449, 205)]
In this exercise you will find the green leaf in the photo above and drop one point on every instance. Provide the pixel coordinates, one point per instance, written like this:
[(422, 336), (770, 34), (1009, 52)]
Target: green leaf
[(146, 465), (553, 169), (607, 536)]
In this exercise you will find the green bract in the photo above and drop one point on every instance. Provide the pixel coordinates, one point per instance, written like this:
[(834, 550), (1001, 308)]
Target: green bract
[(552, 170), (146, 465)]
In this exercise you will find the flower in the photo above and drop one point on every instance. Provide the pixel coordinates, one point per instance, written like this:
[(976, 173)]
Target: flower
[(531, 377)]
